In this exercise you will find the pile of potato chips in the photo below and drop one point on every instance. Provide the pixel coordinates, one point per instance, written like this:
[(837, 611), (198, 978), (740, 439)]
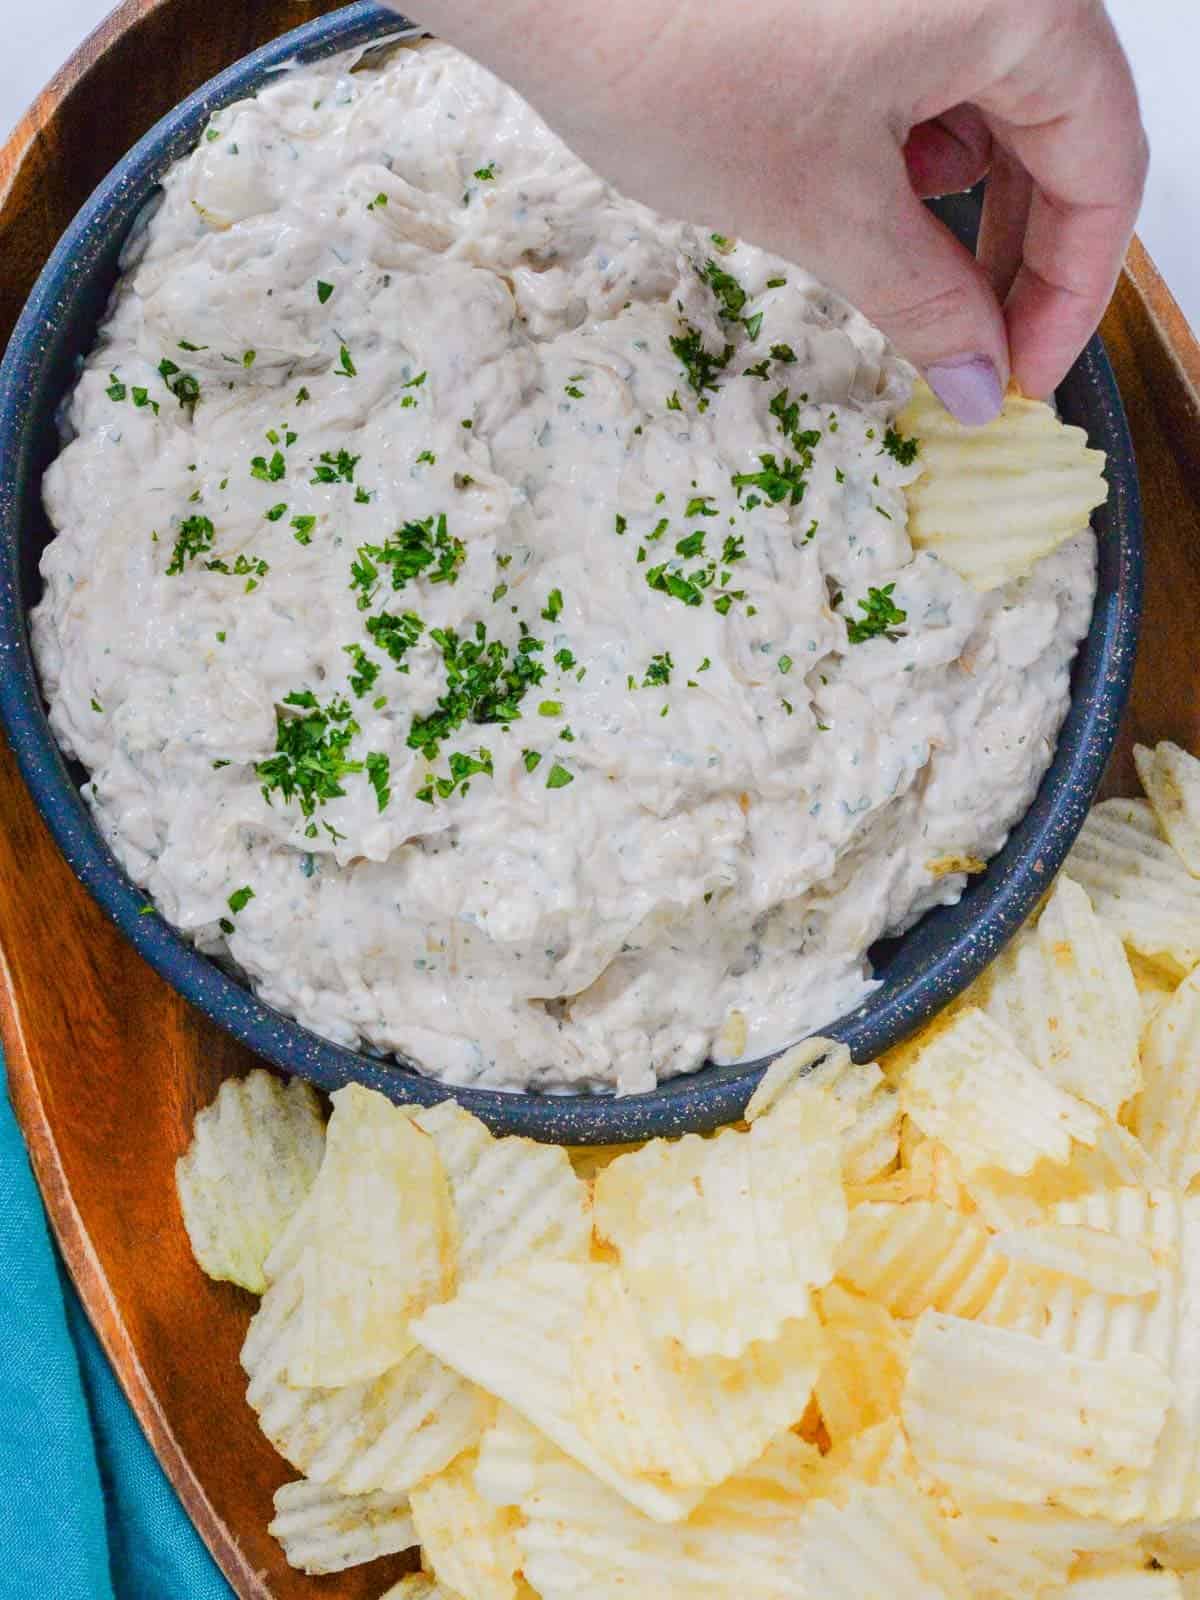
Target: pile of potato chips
[(918, 1329)]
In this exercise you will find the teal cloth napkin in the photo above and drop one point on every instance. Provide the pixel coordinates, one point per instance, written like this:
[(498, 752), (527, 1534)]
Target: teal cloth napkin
[(86, 1512)]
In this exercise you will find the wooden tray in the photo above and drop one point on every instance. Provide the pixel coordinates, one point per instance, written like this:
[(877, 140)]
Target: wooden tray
[(106, 1064)]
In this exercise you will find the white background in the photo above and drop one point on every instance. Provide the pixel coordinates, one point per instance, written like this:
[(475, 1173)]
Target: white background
[(1162, 36)]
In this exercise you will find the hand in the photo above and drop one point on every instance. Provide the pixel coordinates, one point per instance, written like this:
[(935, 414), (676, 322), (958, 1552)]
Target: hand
[(811, 127)]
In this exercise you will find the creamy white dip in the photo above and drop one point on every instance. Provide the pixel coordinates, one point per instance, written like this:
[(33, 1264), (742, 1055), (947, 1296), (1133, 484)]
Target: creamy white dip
[(400, 299)]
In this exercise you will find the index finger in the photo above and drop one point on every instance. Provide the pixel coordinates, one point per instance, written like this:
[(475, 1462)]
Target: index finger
[(1071, 118)]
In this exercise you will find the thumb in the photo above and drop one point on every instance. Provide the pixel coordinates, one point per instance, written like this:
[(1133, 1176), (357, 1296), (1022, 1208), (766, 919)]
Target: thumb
[(913, 279)]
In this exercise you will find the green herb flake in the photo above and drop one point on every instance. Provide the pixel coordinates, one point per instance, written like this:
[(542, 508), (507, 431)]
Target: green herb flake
[(302, 529), (701, 365), (753, 326), (346, 364), (692, 545), (902, 450), (701, 506), (550, 708), (337, 468), (674, 403), (194, 537), (324, 290), (729, 292), (621, 524), (552, 610), (380, 200), (659, 670), (427, 456), (761, 369), (395, 634), (362, 678), (240, 899), (276, 512), (784, 353), (310, 757), (486, 174), (96, 706), (532, 760), (881, 617), (559, 777), (268, 471), (302, 397), (379, 770), (116, 389), (785, 664)]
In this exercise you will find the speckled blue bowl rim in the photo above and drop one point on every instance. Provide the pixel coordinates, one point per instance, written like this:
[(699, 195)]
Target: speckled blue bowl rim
[(924, 971)]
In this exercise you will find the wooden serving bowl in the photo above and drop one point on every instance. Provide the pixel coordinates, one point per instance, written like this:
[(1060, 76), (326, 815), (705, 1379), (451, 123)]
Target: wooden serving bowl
[(107, 1064)]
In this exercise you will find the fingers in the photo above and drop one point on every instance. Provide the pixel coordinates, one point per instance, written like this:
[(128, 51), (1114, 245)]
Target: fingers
[(1073, 123), (908, 274), (948, 154), (1005, 220)]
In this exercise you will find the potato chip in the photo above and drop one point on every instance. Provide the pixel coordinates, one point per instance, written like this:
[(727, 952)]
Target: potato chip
[(254, 1156), (1096, 1260), (513, 1198), (723, 1239), (1171, 779), (418, 1586), (1153, 984), (919, 1255), (1132, 1584), (651, 1409), (513, 1333), (997, 1415), (1173, 1491), (581, 1541), (470, 1543), (386, 1434), (862, 1376), (1116, 1160), (992, 501), (1012, 1551), (1065, 994), (973, 1089), (589, 1160), (820, 1068), (324, 1531), (884, 1541), (1167, 1115), (796, 1067), (372, 1245), (1138, 884)]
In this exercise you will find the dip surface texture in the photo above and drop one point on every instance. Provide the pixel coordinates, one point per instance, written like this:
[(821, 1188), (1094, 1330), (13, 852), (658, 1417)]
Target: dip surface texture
[(485, 610)]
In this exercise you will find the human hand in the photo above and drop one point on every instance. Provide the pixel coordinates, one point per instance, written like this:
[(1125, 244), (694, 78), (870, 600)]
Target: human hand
[(811, 127)]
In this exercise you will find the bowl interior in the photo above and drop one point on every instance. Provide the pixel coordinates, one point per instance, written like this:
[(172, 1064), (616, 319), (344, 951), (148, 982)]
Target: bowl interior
[(920, 972)]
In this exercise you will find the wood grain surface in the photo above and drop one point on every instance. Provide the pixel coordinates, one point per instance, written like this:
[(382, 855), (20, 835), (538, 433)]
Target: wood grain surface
[(106, 1064)]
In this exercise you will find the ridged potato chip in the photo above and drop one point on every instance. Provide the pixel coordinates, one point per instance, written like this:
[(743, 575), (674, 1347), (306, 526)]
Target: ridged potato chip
[(861, 1379), (1064, 992), (468, 1542), (997, 1415), (372, 1245), (1013, 1552), (1096, 1260), (723, 1239), (513, 1198), (1138, 884), (1116, 1160), (418, 1586), (1132, 1584), (1167, 1116), (883, 1542), (992, 501), (513, 1333), (653, 1410), (918, 1256), (324, 1531), (581, 1541), (818, 1068), (1173, 1491), (1171, 779), (796, 1068), (386, 1434), (1153, 984), (254, 1156), (973, 1089)]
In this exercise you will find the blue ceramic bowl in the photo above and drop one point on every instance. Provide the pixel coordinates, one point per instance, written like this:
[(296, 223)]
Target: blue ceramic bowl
[(920, 972)]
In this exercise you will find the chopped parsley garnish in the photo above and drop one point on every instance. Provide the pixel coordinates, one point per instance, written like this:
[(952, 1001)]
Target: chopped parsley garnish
[(362, 679), (839, 474), (249, 357), (776, 283), (268, 471), (466, 423), (701, 506), (621, 523), (276, 512), (674, 403), (244, 567), (659, 670), (486, 174), (417, 549), (568, 734), (116, 389), (659, 528), (194, 537), (574, 391), (787, 414), (380, 200), (700, 364), (903, 450), (676, 585), (183, 385), (337, 468), (532, 760), (724, 245), (784, 353), (301, 396), (785, 664), (559, 777), (485, 683), (394, 634), (726, 288), (753, 326), (362, 497), (778, 480), (96, 706), (552, 610), (303, 529), (880, 619), (186, 344), (379, 770), (550, 708), (564, 659), (733, 550), (761, 369), (310, 758), (692, 545), (704, 665), (346, 364), (427, 455), (415, 383), (324, 290), (240, 899), (141, 397)]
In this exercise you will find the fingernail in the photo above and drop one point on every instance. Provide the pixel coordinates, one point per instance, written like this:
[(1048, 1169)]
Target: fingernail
[(969, 389)]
